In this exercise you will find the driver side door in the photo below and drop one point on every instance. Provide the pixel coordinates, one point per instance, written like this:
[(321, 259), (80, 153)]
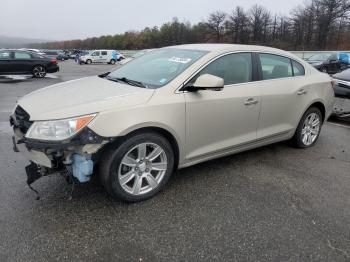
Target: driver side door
[(223, 120), (96, 57)]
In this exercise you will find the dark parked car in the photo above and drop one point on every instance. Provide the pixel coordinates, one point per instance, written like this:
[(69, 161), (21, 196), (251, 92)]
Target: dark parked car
[(342, 94), (13, 62), (326, 62)]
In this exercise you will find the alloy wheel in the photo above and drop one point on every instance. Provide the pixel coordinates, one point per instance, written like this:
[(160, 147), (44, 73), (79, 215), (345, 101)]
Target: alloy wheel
[(142, 168), (311, 129), (39, 71)]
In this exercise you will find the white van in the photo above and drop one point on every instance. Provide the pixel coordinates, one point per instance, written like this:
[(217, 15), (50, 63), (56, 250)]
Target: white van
[(101, 56)]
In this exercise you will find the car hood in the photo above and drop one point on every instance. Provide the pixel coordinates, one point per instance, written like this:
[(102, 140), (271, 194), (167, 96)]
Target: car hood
[(344, 75), (80, 97)]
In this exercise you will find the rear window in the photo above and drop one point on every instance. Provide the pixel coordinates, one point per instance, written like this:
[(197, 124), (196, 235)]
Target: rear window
[(275, 66), (298, 69), (21, 55)]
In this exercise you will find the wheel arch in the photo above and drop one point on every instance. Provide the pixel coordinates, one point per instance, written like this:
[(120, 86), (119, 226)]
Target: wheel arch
[(153, 129), (44, 66), (319, 105)]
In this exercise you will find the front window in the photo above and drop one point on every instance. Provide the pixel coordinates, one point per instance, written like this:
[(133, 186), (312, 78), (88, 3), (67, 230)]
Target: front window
[(157, 68), (233, 68), (4, 55)]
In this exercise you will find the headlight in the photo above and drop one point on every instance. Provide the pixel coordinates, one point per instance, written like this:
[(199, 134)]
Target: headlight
[(58, 129)]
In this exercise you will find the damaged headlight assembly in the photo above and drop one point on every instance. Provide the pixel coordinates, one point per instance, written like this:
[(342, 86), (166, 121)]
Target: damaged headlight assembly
[(57, 130), (63, 131)]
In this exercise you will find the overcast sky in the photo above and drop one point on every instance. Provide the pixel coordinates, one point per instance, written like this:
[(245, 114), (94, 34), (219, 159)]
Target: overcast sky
[(71, 19)]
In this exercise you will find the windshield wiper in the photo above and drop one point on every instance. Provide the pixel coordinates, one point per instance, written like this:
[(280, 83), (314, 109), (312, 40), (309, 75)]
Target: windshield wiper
[(128, 81)]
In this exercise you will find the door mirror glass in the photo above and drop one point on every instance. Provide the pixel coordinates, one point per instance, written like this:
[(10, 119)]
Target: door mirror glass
[(207, 82)]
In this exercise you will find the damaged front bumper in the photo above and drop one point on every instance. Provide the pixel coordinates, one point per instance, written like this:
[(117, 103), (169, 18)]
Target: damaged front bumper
[(74, 157)]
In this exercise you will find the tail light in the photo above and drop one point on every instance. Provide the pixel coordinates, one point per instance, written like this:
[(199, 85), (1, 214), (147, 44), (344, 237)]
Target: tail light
[(54, 61)]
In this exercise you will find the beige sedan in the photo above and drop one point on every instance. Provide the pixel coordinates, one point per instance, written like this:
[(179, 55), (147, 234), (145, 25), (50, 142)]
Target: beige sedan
[(170, 108)]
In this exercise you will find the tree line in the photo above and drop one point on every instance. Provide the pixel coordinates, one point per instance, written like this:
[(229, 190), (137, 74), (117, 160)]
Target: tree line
[(315, 25)]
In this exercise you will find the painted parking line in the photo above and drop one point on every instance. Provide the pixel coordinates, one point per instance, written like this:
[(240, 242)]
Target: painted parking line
[(51, 76), (25, 77)]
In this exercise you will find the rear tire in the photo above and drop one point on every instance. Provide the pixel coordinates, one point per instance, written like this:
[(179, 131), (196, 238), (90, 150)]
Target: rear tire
[(112, 62), (309, 129), (138, 168), (39, 71)]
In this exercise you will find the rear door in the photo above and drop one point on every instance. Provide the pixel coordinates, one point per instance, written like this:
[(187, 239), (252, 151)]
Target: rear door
[(22, 62), (5, 61), (283, 95)]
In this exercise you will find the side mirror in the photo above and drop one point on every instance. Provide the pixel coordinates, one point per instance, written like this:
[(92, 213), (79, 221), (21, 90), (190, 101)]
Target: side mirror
[(207, 82)]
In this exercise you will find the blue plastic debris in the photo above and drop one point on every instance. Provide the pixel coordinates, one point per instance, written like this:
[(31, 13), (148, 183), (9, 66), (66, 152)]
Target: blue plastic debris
[(82, 168)]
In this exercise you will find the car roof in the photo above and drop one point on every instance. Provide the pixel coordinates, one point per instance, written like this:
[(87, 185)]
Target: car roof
[(224, 47), (232, 47)]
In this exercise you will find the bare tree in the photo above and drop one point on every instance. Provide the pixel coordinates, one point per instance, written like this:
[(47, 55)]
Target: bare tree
[(330, 12), (237, 26), (216, 24), (258, 16)]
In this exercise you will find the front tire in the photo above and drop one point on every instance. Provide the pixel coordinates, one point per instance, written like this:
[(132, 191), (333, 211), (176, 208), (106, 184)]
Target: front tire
[(138, 168), (324, 69), (309, 129), (39, 71), (88, 61)]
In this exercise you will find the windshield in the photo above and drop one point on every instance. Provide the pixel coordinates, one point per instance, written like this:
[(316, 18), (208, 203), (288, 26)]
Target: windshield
[(157, 68), (320, 57)]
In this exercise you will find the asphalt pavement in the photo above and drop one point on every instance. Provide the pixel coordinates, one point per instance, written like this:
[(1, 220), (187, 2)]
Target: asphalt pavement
[(275, 203)]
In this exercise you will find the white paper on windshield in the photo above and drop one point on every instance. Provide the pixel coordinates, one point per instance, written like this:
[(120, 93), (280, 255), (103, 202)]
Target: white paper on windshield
[(180, 60)]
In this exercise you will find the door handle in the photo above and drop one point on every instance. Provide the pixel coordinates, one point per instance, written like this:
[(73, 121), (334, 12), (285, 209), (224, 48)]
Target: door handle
[(251, 101), (301, 92)]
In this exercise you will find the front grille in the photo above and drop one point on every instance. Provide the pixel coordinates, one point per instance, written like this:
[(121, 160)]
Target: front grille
[(20, 119)]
